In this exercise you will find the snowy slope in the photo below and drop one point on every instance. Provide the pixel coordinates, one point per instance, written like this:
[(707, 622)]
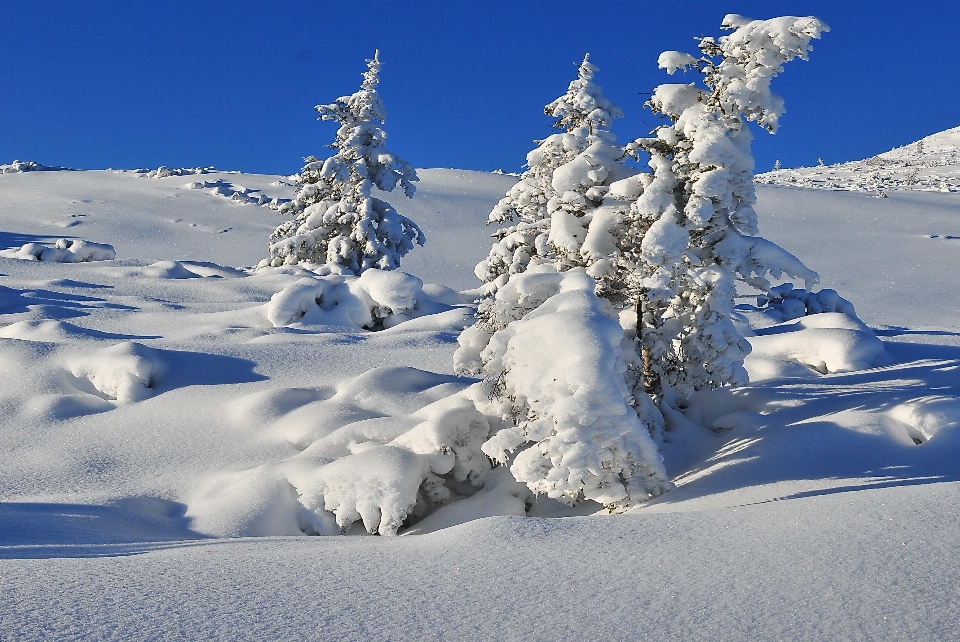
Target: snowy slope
[(931, 164), (804, 508)]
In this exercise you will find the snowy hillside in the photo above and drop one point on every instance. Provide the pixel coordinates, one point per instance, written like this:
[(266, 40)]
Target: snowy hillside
[(161, 431), (931, 164)]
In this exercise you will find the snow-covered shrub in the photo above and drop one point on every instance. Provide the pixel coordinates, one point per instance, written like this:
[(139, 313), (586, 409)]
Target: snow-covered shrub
[(17, 167), (124, 372), (567, 424), (383, 482), (360, 460), (551, 207), (375, 300), (336, 220), (826, 342), (786, 303), (238, 193), (163, 171), (63, 251), (702, 230)]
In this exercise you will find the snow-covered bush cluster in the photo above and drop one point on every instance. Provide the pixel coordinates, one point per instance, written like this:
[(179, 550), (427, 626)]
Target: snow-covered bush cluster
[(163, 171), (63, 251), (17, 167), (336, 219), (786, 303), (360, 461), (238, 193)]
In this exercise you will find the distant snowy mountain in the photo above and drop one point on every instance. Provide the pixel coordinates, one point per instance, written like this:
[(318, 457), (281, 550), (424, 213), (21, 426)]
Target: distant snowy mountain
[(931, 164)]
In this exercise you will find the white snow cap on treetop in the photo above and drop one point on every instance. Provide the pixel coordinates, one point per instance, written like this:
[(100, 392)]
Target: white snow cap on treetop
[(583, 104), (362, 105)]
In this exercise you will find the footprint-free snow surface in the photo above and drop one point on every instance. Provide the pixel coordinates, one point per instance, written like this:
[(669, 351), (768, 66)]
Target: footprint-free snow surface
[(152, 408)]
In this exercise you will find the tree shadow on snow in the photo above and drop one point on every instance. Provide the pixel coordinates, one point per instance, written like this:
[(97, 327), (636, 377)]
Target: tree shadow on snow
[(824, 431), (129, 526)]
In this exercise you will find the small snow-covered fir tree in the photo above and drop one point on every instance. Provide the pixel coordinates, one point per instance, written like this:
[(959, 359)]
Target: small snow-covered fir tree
[(702, 232), (336, 220), (568, 174)]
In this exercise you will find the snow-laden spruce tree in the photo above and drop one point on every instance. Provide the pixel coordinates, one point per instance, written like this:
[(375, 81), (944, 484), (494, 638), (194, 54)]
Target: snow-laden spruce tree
[(336, 220), (701, 227), (563, 416), (549, 209)]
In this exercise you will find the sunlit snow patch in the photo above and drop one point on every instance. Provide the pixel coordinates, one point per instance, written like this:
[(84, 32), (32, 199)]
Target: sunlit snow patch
[(828, 342), (124, 373)]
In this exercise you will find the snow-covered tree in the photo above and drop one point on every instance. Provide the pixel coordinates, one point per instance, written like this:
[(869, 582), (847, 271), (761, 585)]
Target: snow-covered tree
[(702, 231), (568, 173), (550, 351), (336, 220), (562, 417)]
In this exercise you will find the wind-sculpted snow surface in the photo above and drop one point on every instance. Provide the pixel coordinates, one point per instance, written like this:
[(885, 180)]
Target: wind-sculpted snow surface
[(150, 408)]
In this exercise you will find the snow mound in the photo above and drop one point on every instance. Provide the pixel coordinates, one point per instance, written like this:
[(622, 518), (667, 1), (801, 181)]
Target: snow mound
[(259, 502), (377, 299), (168, 270), (930, 417), (827, 343), (63, 251), (125, 373), (45, 330), (356, 461)]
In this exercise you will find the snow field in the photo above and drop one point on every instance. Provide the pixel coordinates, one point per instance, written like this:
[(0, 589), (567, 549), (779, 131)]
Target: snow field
[(149, 402), (871, 564)]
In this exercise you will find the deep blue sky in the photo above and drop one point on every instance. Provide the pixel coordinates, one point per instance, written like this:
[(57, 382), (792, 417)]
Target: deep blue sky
[(233, 84)]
